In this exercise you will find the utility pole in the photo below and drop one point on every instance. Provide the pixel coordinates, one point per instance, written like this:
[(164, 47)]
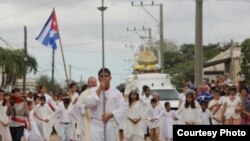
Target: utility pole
[(70, 73), (161, 38), (141, 29), (25, 60), (198, 43), (53, 67), (161, 50), (102, 8), (231, 70)]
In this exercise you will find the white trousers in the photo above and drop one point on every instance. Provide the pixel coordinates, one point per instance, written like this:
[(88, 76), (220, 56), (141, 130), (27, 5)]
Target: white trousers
[(65, 132)]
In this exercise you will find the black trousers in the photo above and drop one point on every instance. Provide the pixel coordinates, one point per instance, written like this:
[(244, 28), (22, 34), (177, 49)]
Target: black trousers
[(16, 133)]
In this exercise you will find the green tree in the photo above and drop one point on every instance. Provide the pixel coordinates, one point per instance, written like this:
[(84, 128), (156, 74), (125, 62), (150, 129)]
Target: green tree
[(180, 64), (121, 87), (47, 81), (12, 62), (245, 60)]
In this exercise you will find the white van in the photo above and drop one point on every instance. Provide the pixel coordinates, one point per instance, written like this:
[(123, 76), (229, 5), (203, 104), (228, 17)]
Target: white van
[(158, 83)]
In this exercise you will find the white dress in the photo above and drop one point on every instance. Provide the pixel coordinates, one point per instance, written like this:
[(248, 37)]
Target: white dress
[(44, 128), (218, 114), (231, 106), (134, 132), (166, 131), (4, 131), (189, 114), (33, 134)]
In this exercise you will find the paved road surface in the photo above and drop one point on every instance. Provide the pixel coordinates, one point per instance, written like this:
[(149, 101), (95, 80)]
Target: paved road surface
[(54, 137)]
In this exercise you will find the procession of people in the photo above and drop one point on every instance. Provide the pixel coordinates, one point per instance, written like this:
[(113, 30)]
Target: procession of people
[(82, 117)]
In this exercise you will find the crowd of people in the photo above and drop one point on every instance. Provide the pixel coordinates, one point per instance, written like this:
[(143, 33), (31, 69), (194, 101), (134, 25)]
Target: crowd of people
[(82, 117)]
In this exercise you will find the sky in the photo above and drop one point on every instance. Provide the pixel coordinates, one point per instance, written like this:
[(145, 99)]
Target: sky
[(80, 28)]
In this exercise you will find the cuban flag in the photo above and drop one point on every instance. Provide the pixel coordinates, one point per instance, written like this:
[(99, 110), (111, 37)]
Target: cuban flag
[(49, 33)]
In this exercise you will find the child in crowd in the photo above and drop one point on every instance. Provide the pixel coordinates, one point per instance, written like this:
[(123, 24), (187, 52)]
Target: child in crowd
[(169, 117), (205, 114), (154, 113)]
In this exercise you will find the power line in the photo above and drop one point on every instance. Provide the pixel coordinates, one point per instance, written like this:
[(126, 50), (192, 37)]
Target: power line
[(7, 43)]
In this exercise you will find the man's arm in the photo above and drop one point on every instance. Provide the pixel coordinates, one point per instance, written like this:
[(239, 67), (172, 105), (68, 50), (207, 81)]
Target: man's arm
[(93, 99), (119, 113)]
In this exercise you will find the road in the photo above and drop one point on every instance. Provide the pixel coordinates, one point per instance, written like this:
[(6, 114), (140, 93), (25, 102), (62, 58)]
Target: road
[(54, 137)]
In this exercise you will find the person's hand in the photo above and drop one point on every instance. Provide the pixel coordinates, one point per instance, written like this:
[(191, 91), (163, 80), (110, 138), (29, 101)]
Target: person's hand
[(152, 120), (106, 117), (103, 85), (238, 109), (137, 120), (74, 102), (1, 123), (134, 120), (28, 127)]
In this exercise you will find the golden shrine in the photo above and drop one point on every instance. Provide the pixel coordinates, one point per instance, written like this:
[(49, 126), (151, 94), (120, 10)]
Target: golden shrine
[(146, 60)]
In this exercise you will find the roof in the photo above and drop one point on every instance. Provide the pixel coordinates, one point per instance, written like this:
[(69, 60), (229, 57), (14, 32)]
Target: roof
[(223, 57)]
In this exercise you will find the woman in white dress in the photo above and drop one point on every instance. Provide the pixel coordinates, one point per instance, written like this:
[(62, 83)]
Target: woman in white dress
[(189, 112), (232, 108), (33, 134), (133, 130), (4, 121)]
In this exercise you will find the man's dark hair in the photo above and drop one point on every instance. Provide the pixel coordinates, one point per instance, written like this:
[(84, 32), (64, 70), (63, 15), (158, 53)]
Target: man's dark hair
[(36, 97), (41, 86), (66, 101), (153, 100), (1, 91), (204, 101), (106, 70), (84, 87), (166, 104), (15, 90), (145, 87), (72, 85), (43, 98)]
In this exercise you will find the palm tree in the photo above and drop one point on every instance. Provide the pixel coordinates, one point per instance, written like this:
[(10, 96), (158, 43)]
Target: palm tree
[(12, 62)]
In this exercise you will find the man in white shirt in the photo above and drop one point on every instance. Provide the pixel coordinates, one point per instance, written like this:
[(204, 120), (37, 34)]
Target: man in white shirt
[(65, 114), (83, 131), (115, 109), (73, 95), (145, 99), (49, 100)]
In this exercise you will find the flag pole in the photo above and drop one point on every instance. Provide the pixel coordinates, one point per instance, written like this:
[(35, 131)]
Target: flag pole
[(102, 9), (60, 42)]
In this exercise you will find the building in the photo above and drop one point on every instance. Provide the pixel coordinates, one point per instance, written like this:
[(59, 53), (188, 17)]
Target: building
[(225, 62), (30, 84)]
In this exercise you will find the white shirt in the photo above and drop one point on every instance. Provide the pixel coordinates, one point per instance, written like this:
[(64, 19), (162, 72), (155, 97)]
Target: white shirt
[(115, 103), (154, 113), (50, 101), (64, 114), (205, 117), (146, 100), (74, 96)]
